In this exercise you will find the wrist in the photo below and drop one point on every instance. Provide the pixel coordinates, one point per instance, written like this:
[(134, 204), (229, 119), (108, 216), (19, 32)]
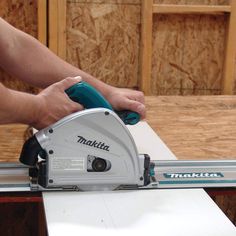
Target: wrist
[(24, 107)]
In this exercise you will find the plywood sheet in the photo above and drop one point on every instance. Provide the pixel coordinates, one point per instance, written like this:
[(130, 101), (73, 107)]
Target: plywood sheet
[(103, 39), (12, 138), (195, 127), (188, 53)]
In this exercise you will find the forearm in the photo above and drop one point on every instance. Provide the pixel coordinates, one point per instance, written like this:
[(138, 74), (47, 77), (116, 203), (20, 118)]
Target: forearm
[(32, 62), (17, 107), (26, 58)]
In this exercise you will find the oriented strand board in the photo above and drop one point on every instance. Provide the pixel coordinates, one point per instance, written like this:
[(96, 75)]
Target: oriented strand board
[(163, 91), (103, 39), (193, 2), (20, 13), (106, 1), (188, 53), (23, 15)]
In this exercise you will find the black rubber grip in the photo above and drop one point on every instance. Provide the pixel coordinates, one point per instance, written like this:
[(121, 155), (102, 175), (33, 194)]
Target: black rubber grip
[(30, 151)]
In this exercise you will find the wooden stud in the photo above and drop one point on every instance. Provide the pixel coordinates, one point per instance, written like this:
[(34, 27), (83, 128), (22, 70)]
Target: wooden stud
[(57, 27), (61, 51), (190, 9), (228, 78), (146, 46), (42, 21), (53, 26)]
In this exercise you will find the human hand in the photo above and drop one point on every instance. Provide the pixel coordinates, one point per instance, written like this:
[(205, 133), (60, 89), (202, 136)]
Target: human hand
[(127, 99), (53, 103)]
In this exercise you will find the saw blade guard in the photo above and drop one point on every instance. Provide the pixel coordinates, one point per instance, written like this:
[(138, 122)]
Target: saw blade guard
[(89, 150)]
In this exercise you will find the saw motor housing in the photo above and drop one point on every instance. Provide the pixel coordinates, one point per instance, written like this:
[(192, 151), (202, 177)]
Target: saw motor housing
[(88, 150)]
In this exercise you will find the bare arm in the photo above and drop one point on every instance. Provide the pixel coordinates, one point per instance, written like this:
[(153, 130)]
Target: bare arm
[(26, 58), (16, 107), (29, 60)]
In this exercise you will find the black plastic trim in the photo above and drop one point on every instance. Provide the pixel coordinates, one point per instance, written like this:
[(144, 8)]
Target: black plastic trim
[(30, 151)]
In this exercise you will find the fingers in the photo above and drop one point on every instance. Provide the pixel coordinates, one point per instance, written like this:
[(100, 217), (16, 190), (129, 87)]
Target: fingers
[(68, 82), (76, 107), (138, 96), (136, 107)]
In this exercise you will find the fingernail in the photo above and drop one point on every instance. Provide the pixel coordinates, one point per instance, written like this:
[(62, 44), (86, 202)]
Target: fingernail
[(78, 77)]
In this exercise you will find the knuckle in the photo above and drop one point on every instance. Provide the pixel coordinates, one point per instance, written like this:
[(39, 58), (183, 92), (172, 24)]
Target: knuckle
[(68, 78), (56, 85), (141, 93)]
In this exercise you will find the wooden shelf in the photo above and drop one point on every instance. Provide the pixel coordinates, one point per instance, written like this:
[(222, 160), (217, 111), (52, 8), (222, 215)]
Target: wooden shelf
[(190, 9)]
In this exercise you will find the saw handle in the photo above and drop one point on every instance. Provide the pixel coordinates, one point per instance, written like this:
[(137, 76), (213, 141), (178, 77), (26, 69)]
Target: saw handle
[(89, 97), (30, 151)]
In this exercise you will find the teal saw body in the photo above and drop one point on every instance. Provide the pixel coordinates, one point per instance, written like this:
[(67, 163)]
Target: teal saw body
[(89, 97)]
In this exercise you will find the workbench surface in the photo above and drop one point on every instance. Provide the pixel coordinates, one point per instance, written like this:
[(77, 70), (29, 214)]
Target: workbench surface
[(195, 127)]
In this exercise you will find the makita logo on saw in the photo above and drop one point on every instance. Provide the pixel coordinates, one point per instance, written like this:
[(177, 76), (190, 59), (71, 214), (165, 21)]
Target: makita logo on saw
[(93, 143), (193, 175)]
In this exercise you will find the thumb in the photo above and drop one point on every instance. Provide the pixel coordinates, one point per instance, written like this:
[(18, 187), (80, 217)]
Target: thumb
[(69, 81)]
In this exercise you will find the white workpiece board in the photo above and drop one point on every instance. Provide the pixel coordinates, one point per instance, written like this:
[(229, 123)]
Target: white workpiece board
[(141, 212)]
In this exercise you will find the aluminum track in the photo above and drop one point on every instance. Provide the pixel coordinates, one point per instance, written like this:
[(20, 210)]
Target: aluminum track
[(193, 174), (165, 174)]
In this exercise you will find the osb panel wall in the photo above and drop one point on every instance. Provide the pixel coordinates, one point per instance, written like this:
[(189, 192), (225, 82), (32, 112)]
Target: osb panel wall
[(188, 54), (103, 39), (188, 51), (23, 15), (193, 2)]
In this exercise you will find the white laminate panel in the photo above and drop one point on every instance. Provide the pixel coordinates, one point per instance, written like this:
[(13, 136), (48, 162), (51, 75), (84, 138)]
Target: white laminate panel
[(148, 142), (144, 212), (159, 212)]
